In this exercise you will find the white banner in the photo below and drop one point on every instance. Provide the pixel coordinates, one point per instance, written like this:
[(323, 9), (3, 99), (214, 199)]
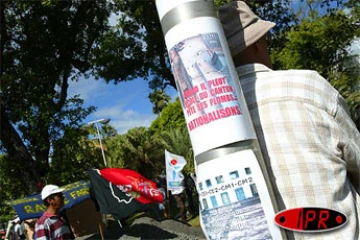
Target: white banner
[(174, 164)]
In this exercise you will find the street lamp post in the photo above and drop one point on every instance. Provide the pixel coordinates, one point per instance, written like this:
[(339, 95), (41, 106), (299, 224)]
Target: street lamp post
[(102, 121)]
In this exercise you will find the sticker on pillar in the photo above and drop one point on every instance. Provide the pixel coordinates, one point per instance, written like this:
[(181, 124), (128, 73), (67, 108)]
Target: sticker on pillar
[(231, 207)]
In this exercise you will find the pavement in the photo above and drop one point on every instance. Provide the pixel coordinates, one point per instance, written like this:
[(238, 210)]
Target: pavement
[(148, 228)]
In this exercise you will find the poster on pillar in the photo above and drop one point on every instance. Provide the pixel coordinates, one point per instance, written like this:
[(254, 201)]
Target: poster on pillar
[(209, 90), (233, 199)]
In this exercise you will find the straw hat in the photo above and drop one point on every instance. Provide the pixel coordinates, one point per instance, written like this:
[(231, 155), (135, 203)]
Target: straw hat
[(241, 26)]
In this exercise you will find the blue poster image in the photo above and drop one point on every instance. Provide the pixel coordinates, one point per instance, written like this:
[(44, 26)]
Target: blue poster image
[(232, 210)]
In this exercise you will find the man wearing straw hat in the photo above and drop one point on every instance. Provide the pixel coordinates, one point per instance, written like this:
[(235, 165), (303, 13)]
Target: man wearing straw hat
[(51, 225), (310, 145)]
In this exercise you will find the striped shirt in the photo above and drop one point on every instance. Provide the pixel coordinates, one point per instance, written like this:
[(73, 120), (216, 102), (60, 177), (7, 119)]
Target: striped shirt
[(53, 227), (310, 145)]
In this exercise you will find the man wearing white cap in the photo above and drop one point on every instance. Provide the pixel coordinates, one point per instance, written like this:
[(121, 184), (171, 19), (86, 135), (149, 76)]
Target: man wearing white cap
[(310, 145), (51, 225)]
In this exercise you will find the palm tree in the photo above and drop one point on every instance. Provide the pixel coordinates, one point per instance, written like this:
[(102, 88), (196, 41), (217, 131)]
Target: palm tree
[(106, 132), (177, 141), (159, 99), (143, 152), (115, 156)]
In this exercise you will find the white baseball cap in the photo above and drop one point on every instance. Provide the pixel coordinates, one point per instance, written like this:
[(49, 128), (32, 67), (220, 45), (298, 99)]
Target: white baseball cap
[(50, 189)]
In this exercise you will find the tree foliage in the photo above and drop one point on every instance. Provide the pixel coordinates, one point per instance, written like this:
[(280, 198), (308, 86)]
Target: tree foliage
[(177, 141), (74, 154), (159, 100), (116, 155), (171, 117), (11, 187), (170, 125), (321, 42), (46, 44), (43, 47), (135, 48), (143, 152)]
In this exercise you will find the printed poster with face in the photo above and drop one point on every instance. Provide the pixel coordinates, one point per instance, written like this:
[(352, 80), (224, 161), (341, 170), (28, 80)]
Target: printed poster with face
[(209, 90)]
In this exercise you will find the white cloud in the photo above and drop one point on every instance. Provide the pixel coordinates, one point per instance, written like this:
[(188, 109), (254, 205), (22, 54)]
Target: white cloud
[(122, 126), (123, 120), (87, 88), (113, 19), (355, 47), (115, 102)]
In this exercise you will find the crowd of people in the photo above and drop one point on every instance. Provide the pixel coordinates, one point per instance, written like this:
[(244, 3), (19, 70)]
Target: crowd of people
[(18, 230), (183, 199)]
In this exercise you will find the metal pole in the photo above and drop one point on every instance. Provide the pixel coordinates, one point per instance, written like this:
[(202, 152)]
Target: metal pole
[(102, 150)]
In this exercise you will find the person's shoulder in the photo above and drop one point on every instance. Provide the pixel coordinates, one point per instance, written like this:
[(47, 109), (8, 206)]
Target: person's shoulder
[(45, 217), (298, 85), (300, 73), (41, 220), (309, 79)]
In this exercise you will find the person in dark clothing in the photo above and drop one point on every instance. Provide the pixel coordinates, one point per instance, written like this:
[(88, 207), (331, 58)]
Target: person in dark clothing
[(189, 188), (180, 203)]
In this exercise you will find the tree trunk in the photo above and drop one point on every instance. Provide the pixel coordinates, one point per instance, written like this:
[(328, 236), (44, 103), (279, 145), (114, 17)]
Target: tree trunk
[(18, 152)]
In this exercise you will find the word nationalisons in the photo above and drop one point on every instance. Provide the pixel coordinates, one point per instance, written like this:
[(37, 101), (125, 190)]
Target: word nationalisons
[(210, 101), (214, 115)]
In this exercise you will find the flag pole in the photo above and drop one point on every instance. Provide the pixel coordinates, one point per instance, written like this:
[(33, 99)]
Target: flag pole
[(168, 202), (101, 231)]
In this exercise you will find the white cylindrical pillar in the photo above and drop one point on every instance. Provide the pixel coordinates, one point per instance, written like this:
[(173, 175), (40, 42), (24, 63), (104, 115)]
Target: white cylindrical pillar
[(235, 195)]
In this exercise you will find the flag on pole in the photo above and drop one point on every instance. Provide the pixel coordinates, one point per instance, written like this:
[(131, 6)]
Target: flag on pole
[(112, 199), (132, 182), (174, 164)]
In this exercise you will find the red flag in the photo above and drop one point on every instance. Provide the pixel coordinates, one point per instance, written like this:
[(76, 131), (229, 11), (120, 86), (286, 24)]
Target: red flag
[(132, 182)]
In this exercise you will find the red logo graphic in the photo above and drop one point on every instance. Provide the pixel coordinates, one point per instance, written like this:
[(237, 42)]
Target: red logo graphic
[(310, 219), (173, 162), (127, 180)]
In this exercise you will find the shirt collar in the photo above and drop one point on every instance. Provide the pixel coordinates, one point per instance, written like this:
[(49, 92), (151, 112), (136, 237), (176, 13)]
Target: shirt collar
[(251, 68), (47, 214)]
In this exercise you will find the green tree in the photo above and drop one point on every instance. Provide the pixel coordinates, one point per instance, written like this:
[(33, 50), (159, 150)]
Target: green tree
[(74, 154), (321, 43), (143, 152), (135, 48), (177, 141), (108, 131), (159, 99), (170, 126), (171, 117), (115, 155), (11, 187), (42, 48), (100, 131)]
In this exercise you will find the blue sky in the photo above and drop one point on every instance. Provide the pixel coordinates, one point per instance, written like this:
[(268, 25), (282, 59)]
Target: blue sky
[(126, 104)]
